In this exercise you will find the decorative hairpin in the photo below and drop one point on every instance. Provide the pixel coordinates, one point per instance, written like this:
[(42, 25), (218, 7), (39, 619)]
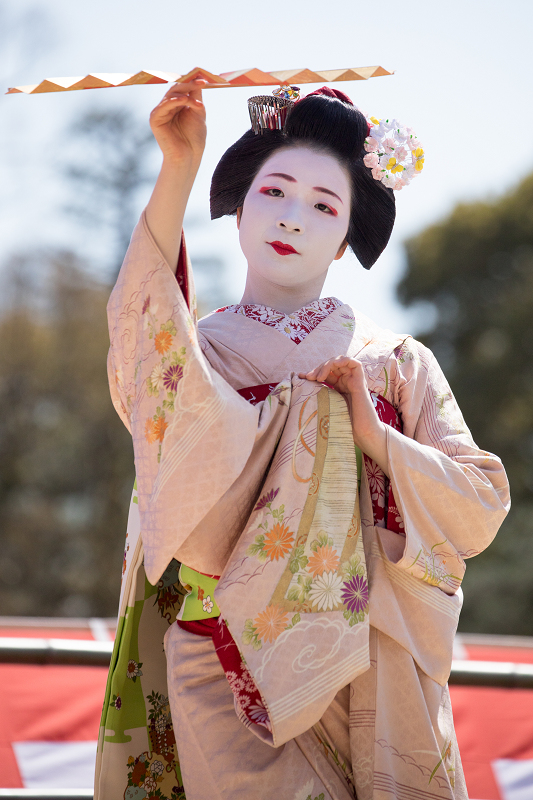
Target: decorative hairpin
[(288, 92), (394, 153), (269, 112)]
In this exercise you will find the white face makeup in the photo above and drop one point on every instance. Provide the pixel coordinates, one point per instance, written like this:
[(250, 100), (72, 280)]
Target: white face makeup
[(295, 217)]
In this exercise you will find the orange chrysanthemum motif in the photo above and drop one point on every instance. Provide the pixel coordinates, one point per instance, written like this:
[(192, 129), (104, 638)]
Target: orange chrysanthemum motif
[(163, 342), (324, 559), (270, 623), (149, 431), (160, 428), (278, 541)]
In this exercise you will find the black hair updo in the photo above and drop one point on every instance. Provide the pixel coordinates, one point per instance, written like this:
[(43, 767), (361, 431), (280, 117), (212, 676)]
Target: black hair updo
[(326, 121)]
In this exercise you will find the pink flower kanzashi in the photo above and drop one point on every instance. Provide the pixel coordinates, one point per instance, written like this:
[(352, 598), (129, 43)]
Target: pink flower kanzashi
[(371, 145), (413, 141), (401, 153), (389, 145), (371, 160), (388, 181)]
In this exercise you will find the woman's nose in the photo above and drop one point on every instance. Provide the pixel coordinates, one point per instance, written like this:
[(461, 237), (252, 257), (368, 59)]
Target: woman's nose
[(290, 224)]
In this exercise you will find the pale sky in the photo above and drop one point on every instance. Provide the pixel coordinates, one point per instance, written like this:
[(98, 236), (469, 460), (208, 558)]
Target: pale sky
[(463, 82)]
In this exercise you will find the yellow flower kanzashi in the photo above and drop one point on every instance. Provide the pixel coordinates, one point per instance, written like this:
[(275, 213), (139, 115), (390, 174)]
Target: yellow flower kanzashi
[(374, 120), (419, 159), (393, 166)]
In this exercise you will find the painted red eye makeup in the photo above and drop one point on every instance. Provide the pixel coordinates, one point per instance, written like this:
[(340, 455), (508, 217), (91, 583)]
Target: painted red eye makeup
[(333, 212), (266, 189)]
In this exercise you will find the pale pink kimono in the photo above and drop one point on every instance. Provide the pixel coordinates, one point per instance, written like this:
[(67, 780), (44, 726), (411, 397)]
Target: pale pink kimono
[(360, 710)]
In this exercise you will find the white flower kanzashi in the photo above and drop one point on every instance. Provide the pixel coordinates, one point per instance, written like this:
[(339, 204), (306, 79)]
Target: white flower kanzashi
[(207, 605), (326, 591), (393, 152)]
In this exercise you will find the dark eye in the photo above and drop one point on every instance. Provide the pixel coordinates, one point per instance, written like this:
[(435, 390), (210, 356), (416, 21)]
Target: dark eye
[(326, 209), (272, 191)]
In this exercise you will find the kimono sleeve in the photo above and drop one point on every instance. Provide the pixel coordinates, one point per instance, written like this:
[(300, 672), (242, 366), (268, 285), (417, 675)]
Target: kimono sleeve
[(147, 292), (452, 496), (182, 415)]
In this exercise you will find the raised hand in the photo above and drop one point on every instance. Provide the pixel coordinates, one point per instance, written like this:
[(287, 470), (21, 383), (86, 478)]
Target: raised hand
[(178, 123), (347, 376)]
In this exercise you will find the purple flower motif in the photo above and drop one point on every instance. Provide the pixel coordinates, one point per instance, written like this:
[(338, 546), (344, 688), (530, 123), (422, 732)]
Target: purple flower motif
[(146, 305), (172, 376), (266, 499), (355, 594)]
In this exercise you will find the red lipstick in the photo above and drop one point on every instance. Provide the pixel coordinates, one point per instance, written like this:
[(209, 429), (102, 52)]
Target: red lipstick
[(283, 249)]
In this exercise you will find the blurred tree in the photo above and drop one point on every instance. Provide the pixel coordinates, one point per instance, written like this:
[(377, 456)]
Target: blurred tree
[(109, 159), (66, 471), (107, 164), (476, 269)]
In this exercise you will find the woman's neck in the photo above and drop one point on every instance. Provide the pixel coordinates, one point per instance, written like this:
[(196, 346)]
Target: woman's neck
[(285, 299)]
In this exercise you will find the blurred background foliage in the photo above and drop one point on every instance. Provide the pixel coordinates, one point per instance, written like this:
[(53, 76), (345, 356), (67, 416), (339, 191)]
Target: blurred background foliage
[(476, 269), (66, 470)]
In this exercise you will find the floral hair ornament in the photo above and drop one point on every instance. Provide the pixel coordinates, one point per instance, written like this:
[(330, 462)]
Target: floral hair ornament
[(269, 112), (394, 152)]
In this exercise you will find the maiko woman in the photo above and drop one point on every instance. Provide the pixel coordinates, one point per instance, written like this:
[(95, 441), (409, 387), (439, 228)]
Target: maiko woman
[(307, 490)]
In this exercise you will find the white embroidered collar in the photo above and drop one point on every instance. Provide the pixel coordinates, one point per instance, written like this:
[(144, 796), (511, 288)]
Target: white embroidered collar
[(295, 326)]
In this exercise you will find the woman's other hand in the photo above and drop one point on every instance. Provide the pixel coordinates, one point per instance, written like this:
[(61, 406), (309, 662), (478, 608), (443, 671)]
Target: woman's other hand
[(178, 124), (347, 376)]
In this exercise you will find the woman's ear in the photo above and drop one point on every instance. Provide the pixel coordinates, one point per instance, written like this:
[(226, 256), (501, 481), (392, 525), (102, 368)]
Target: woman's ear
[(341, 251), (239, 215)]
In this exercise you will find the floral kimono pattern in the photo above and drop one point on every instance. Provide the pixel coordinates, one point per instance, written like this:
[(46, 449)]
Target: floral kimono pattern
[(323, 588)]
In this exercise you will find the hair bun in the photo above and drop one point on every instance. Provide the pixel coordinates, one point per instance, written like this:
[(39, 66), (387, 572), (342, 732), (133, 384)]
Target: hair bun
[(323, 118), (329, 92)]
